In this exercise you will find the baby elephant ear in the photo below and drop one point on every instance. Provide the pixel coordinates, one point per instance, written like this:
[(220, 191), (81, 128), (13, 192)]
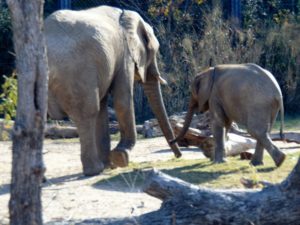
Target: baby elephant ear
[(141, 41)]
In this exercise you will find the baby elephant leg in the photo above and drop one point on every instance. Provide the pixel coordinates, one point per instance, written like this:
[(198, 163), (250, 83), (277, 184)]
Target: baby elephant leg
[(277, 155), (219, 138), (257, 158)]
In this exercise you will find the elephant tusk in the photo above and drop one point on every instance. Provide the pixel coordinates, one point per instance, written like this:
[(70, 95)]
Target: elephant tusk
[(162, 80)]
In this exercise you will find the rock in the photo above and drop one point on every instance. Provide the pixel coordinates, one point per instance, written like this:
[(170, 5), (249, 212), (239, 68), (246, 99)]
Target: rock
[(140, 129), (151, 129)]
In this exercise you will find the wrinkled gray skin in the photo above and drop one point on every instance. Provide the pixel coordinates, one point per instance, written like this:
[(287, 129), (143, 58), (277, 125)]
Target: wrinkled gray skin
[(246, 94), (93, 53)]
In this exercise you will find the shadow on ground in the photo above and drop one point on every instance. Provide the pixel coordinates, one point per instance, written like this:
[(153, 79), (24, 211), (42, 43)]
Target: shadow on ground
[(182, 149), (96, 221), (4, 189), (62, 179), (133, 180)]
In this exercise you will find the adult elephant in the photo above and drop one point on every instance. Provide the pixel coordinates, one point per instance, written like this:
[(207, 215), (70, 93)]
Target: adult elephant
[(246, 94), (93, 53)]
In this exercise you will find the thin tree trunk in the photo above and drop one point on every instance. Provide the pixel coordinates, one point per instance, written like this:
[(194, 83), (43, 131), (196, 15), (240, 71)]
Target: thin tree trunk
[(31, 62)]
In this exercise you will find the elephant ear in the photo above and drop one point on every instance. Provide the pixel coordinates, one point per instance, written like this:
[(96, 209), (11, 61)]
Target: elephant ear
[(142, 43)]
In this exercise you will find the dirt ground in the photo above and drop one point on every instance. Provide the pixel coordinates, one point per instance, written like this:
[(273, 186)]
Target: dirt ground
[(69, 197)]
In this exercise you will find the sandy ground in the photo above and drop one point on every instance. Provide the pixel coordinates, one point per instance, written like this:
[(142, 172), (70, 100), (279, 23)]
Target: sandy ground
[(69, 197)]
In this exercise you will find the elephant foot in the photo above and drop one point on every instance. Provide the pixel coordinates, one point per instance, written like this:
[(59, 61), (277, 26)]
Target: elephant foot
[(119, 158), (256, 162), (93, 171), (279, 158)]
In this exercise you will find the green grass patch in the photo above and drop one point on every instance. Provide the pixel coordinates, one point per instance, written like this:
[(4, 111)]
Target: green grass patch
[(203, 172), (117, 136)]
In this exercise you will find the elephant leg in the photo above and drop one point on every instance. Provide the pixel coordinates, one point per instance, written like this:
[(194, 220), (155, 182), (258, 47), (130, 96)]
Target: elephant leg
[(257, 158), (227, 128), (277, 155), (259, 129), (264, 139), (123, 104), (89, 154), (102, 134), (219, 138)]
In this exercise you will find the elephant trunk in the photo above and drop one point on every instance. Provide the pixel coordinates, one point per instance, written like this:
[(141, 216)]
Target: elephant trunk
[(187, 121), (153, 93)]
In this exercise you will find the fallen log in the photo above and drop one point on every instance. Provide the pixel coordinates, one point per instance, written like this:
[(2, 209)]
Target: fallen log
[(192, 137), (234, 145), (57, 132), (69, 131), (288, 137), (184, 203)]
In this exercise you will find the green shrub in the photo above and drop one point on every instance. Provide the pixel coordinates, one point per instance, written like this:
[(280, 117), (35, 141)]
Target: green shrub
[(8, 98), (218, 43), (281, 55)]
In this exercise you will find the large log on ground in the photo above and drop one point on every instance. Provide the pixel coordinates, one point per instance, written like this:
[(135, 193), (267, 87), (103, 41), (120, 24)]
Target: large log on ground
[(288, 137), (184, 203), (192, 137), (57, 132), (234, 145)]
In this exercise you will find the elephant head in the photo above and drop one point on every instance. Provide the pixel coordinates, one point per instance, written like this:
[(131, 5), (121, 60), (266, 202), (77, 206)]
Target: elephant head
[(200, 93), (143, 47)]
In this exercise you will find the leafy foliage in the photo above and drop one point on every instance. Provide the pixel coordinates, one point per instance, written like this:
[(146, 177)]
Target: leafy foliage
[(196, 33), (8, 98)]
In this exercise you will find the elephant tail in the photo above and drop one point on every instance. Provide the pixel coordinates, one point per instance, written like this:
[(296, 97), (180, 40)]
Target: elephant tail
[(281, 120)]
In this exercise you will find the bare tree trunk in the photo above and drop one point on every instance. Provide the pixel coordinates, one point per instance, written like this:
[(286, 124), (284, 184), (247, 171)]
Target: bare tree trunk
[(184, 203), (31, 62)]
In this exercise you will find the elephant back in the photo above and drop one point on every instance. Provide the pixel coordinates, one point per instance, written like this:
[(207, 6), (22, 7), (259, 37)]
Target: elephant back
[(82, 37)]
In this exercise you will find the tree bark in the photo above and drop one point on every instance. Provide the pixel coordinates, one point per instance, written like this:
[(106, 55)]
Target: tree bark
[(31, 63), (184, 203)]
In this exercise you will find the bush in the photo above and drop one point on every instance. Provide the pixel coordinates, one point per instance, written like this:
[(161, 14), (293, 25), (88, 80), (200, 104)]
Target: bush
[(281, 55), (218, 43), (8, 98), (193, 34)]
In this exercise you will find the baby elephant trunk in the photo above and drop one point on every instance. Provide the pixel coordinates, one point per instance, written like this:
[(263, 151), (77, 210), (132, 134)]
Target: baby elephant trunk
[(187, 122)]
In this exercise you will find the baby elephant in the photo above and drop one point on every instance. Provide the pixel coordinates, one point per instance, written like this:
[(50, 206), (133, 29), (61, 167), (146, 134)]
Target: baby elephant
[(246, 94)]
